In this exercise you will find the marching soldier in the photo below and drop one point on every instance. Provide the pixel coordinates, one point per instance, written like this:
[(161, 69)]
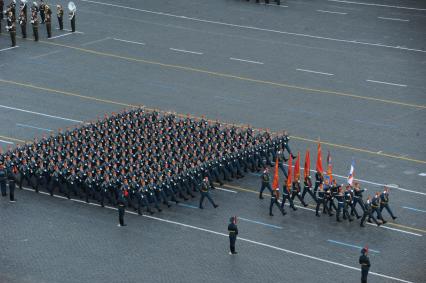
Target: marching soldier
[(375, 205), (319, 179), (340, 205), (72, 19), (308, 188), (281, 161), (287, 196), (233, 232), (357, 191), (368, 212), (274, 200), (205, 187), (60, 15), (348, 203), (265, 182), (48, 20), (365, 264), (23, 23), (384, 202), (295, 192), (11, 27), (321, 200)]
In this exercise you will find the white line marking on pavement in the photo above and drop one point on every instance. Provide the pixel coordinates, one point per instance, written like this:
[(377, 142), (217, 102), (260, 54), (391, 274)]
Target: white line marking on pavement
[(128, 41), (422, 174), (378, 5), (6, 142), (257, 28), (414, 209), (248, 61), (259, 222), (226, 190), (386, 83), (186, 51), (9, 48), (281, 6), (61, 35), (315, 72), (45, 54), (41, 114), (394, 229), (95, 41), (71, 31), (33, 127), (393, 19), (240, 238), (331, 12)]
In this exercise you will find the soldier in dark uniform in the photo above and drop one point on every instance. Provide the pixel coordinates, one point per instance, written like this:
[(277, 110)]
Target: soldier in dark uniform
[(11, 27), (348, 203), (368, 212), (122, 201), (384, 202), (60, 15), (287, 196), (295, 192), (3, 179), (204, 190), (72, 19), (375, 205), (319, 179), (1, 12), (307, 188), (357, 194), (23, 23), (12, 187), (265, 182), (274, 200), (233, 232), (42, 8), (365, 264), (34, 23), (281, 161), (321, 199), (48, 13)]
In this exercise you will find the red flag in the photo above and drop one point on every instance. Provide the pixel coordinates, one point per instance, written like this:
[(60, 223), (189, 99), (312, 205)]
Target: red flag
[(307, 169), (329, 167), (290, 160), (319, 159), (275, 183), (297, 168)]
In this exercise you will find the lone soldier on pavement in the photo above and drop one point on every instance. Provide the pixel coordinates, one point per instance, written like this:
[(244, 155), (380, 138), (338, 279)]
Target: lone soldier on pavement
[(204, 190), (233, 232), (11, 27), (60, 14), (121, 207), (72, 19), (384, 202), (365, 264), (265, 182)]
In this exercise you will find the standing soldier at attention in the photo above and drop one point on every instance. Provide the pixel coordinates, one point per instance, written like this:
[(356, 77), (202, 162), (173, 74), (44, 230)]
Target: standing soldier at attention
[(72, 18), (48, 13), (23, 23), (265, 182), (11, 27), (42, 8), (365, 264), (233, 232), (204, 190), (122, 205), (384, 202), (60, 14)]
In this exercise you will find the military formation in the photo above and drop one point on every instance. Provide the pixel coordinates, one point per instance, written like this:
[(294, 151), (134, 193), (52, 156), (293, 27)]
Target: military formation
[(333, 197), (41, 14), (139, 159)]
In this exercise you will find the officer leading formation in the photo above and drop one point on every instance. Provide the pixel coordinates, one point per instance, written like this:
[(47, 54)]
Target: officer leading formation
[(40, 13), (140, 159)]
